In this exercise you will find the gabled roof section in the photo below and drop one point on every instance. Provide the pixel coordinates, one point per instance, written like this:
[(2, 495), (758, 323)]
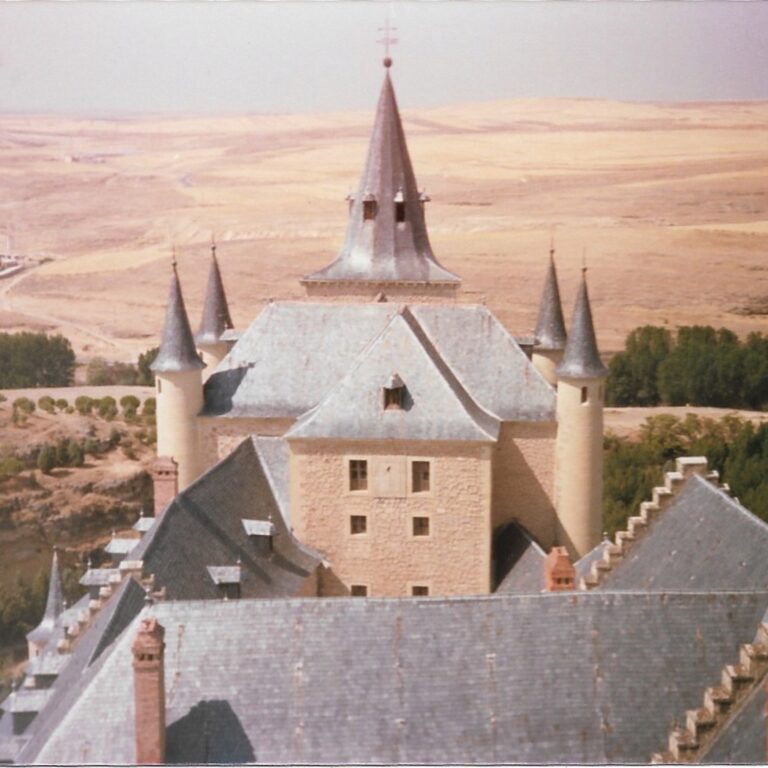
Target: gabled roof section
[(177, 347), (216, 318), (53, 607), (295, 353), (605, 673), (581, 359), (704, 540), (550, 332), (202, 527), (519, 561), (381, 249), (436, 407)]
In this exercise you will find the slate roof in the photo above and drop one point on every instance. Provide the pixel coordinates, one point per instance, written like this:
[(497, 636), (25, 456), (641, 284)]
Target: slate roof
[(203, 527), (549, 678), (704, 540), (106, 626), (216, 319), (143, 524), (295, 353), (120, 546), (742, 740), (382, 249), (177, 347), (581, 359), (436, 407), (550, 327), (520, 561), (53, 607)]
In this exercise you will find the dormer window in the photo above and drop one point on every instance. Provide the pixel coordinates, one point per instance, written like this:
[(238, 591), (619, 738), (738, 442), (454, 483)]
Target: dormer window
[(350, 198), (227, 578), (394, 394), (369, 207), (399, 207), (423, 198)]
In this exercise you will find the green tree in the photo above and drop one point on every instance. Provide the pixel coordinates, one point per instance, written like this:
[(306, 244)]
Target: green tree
[(75, 455), (130, 405), (84, 404), (46, 403), (35, 360), (145, 376), (108, 408), (62, 404)]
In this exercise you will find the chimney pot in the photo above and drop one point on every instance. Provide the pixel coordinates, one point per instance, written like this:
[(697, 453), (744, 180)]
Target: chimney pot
[(149, 692), (559, 573)]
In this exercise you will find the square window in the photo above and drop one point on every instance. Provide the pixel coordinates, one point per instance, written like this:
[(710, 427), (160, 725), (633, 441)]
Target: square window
[(420, 476), (358, 524), (421, 526), (358, 475), (419, 590), (358, 590), (393, 399)]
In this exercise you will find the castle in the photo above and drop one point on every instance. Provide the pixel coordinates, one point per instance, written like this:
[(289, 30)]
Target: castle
[(384, 440), (417, 428)]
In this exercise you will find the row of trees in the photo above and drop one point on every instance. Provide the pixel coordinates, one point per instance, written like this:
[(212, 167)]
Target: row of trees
[(736, 448), (38, 360), (698, 366), (35, 360), (105, 407)]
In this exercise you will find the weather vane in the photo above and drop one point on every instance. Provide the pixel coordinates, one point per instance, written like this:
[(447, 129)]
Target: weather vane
[(387, 40)]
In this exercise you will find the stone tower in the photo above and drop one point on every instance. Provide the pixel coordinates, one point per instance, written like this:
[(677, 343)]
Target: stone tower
[(178, 373), (550, 332), (216, 320), (579, 447)]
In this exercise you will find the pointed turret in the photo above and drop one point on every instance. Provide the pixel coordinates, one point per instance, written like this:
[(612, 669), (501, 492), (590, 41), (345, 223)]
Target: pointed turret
[(177, 347), (216, 319), (387, 240), (581, 359), (39, 637), (550, 332), (579, 449), (178, 370)]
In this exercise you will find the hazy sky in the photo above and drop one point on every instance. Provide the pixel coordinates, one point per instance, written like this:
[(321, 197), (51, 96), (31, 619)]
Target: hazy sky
[(253, 55)]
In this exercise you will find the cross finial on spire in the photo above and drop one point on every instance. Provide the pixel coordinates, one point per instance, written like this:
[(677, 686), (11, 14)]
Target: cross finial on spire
[(386, 41), (551, 242), (213, 244), (584, 260), (173, 256)]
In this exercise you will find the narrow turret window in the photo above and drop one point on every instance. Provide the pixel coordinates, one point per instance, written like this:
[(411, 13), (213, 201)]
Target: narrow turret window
[(358, 590), (399, 207), (420, 590), (584, 395), (369, 208)]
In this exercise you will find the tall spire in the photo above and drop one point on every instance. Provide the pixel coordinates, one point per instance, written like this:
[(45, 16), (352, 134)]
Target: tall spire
[(581, 359), (387, 235), (177, 347), (54, 606), (216, 317), (550, 327)]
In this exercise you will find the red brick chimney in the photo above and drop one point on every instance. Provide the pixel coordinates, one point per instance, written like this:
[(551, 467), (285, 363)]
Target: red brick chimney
[(559, 573), (165, 480), (149, 692)]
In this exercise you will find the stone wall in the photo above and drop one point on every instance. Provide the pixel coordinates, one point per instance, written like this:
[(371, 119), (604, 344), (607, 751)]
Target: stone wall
[(388, 559), (524, 478), (220, 436)]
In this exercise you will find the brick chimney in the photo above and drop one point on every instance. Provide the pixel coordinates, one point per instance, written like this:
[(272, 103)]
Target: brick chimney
[(149, 692), (559, 573), (165, 481)]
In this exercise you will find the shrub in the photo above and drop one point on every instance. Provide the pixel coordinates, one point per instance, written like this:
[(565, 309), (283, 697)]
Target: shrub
[(24, 405), (63, 405), (47, 403), (130, 405), (84, 404), (75, 455), (107, 408), (148, 411), (46, 459)]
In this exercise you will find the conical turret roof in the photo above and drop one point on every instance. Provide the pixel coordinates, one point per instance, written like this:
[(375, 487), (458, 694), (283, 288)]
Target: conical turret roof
[(177, 347), (53, 606), (216, 317), (382, 248), (550, 327), (581, 359)]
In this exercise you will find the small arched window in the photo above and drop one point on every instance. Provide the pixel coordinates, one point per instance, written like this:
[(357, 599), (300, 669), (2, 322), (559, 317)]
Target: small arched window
[(399, 207), (584, 395), (369, 207)]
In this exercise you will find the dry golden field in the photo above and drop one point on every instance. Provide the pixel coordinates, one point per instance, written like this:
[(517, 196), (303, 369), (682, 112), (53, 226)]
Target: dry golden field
[(670, 203)]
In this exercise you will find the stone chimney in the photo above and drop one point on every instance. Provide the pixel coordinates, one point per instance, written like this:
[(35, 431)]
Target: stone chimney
[(165, 481), (149, 692), (559, 573)]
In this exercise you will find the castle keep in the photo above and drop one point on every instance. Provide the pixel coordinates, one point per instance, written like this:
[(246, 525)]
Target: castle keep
[(417, 428)]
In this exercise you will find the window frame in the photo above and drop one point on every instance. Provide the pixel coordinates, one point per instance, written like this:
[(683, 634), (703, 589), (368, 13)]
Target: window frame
[(412, 462), (353, 587), (352, 464), (352, 532), (420, 518)]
